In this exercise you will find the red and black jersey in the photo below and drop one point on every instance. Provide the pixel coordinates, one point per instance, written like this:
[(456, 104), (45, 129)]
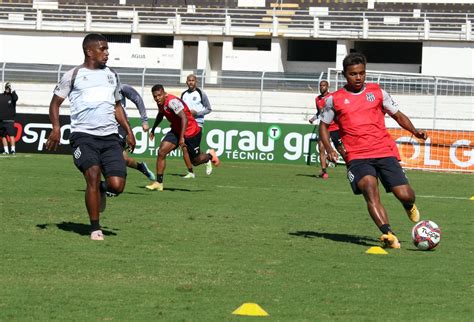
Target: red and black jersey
[(170, 109)]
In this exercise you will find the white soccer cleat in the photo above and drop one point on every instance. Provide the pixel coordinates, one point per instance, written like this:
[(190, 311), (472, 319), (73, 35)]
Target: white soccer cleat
[(189, 175), (209, 167), (97, 235)]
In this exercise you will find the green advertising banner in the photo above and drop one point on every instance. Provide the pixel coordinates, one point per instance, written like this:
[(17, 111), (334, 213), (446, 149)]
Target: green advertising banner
[(243, 141)]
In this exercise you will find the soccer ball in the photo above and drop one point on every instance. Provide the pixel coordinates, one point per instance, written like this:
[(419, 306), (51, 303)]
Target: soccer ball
[(426, 235)]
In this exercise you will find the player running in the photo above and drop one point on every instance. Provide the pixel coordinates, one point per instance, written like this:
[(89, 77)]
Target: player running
[(184, 133), (371, 154)]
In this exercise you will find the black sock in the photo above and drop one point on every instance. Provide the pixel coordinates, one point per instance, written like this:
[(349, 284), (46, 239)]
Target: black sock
[(190, 170), (385, 229), (159, 178), (407, 206), (103, 186), (323, 170), (95, 225), (140, 167), (210, 157)]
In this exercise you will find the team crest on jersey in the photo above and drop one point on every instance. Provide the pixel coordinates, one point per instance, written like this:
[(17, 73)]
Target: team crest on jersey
[(111, 79), (370, 97), (77, 153), (346, 101)]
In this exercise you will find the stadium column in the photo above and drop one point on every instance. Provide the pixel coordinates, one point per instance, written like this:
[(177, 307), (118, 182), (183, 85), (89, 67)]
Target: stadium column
[(178, 48), (278, 53), (203, 62), (343, 48)]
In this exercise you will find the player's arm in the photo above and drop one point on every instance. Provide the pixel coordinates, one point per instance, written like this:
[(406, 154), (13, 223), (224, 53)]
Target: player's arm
[(55, 135), (327, 116), (206, 104), (184, 125), (405, 123), (136, 98), (391, 107), (123, 121), (158, 119)]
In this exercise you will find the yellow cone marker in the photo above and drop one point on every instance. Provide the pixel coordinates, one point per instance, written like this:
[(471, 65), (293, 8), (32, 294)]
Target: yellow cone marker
[(250, 309), (472, 198), (376, 250)]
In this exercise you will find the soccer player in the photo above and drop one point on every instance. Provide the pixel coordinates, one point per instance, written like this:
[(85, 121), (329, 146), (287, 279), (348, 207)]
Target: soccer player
[(128, 92), (93, 90), (199, 105), (184, 133), (359, 109), (333, 129)]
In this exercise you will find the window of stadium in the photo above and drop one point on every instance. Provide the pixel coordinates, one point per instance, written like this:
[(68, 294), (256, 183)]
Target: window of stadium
[(118, 38), (391, 52), (156, 41), (311, 50), (253, 44)]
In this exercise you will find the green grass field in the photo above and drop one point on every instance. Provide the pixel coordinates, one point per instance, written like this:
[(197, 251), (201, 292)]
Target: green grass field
[(267, 234)]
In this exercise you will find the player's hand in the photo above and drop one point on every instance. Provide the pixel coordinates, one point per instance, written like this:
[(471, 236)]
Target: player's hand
[(333, 156), (152, 135), (311, 121), (421, 134), (145, 127), (131, 142), (182, 145), (53, 140)]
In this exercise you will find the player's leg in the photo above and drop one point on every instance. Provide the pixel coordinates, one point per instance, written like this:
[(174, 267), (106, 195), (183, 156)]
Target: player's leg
[(394, 180), (324, 162), (5, 144), (137, 165), (189, 165), (337, 142), (11, 131), (194, 151), (168, 144), (362, 175)]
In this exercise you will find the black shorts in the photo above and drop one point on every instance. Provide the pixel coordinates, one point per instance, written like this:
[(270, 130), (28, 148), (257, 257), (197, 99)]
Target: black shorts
[(192, 143), (104, 151), (7, 127), (388, 170), (335, 138), (123, 137)]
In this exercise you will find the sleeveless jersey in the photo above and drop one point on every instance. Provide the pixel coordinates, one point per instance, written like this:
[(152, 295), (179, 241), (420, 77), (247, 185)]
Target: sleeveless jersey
[(320, 101), (170, 109), (361, 119)]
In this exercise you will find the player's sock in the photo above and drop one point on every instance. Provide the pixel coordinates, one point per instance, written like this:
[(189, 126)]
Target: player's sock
[(140, 167), (407, 206), (385, 229), (12, 149), (209, 156), (103, 186), (159, 178), (95, 225), (5, 149), (190, 170)]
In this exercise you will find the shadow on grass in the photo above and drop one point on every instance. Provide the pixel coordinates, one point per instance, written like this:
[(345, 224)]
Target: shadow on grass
[(343, 238), (81, 229), (306, 175), (123, 193)]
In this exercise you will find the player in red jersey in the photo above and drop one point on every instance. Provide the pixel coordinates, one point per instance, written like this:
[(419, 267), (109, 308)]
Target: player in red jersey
[(359, 110), (333, 129), (184, 133)]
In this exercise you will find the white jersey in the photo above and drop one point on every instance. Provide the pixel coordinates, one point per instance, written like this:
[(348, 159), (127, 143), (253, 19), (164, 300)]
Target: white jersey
[(198, 102), (92, 94)]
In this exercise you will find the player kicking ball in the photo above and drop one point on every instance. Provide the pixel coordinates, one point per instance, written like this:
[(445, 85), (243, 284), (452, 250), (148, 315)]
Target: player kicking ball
[(185, 134), (359, 109)]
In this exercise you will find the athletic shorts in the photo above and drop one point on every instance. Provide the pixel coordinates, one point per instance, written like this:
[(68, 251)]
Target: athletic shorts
[(7, 127), (192, 143), (123, 137), (388, 170), (335, 138), (104, 151)]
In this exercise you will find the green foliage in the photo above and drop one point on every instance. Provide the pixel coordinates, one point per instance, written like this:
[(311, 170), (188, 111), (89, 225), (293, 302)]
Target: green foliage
[(269, 234)]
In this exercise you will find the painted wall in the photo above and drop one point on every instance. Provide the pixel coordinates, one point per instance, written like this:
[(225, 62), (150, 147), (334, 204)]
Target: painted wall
[(448, 59)]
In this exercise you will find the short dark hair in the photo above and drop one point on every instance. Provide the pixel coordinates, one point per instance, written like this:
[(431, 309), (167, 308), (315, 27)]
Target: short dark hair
[(157, 87), (324, 81), (90, 38), (353, 59)]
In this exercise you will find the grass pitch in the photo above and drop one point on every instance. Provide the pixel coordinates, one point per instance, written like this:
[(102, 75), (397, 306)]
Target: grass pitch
[(267, 234)]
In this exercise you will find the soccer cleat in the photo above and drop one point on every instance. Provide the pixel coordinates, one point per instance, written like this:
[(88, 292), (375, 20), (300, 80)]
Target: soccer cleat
[(13, 153), (215, 160), (390, 240), (189, 175), (413, 213), (150, 175), (97, 235), (323, 175), (155, 186), (208, 168)]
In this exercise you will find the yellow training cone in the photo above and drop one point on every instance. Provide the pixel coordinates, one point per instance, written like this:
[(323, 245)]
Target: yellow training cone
[(376, 250), (251, 309), (472, 198)]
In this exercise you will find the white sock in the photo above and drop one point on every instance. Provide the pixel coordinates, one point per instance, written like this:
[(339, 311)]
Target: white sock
[(12, 149), (5, 148)]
